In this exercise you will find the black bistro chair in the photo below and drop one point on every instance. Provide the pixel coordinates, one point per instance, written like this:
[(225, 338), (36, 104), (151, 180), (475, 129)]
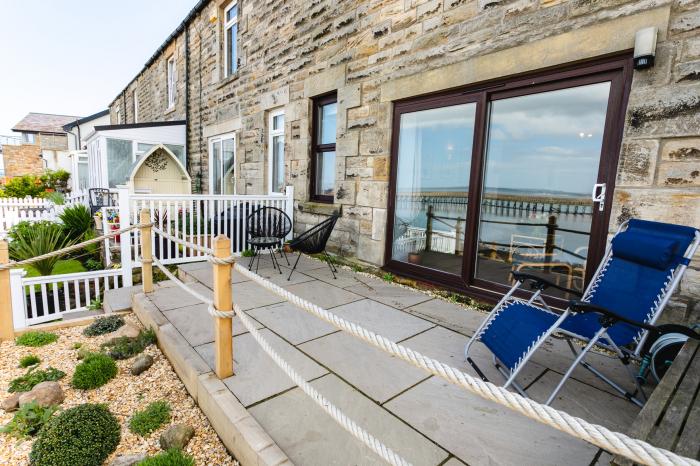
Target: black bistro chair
[(99, 198), (267, 228), (313, 241)]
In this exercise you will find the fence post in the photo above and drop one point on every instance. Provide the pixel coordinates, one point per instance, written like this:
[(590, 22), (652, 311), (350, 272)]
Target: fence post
[(7, 327), (551, 236), (223, 328), (289, 208), (19, 307), (146, 257), (125, 245)]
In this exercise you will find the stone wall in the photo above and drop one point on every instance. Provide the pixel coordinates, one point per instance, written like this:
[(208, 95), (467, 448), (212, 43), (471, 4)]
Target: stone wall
[(21, 160), (374, 52)]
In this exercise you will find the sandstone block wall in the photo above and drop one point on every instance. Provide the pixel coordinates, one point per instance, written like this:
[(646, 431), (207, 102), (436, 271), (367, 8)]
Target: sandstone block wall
[(22, 160), (373, 52)]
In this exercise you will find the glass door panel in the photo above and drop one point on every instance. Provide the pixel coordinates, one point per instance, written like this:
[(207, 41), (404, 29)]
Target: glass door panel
[(229, 167), (433, 170), (542, 162)]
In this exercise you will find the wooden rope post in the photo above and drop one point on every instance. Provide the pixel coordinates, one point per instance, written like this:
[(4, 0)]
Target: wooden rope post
[(146, 251), (7, 326), (223, 301)]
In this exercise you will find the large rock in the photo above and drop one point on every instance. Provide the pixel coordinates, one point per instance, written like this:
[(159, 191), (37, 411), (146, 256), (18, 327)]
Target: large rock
[(177, 436), (44, 393), (128, 330), (128, 460), (11, 403), (141, 364)]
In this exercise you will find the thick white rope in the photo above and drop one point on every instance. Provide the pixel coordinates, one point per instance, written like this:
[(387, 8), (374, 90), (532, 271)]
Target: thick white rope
[(614, 442), (210, 303), (333, 411), (188, 244), (71, 248)]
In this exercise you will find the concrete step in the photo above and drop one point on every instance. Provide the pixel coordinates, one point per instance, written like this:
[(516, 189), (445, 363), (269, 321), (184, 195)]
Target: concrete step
[(119, 300)]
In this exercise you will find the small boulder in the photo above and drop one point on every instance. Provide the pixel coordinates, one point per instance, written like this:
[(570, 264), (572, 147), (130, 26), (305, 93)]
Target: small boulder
[(11, 403), (177, 436), (128, 330), (128, 460), (141, 364), (45, 394)]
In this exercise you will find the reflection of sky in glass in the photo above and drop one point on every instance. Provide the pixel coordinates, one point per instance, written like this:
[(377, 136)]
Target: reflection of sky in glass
[(327, 129), (547, 142), (435, 149)]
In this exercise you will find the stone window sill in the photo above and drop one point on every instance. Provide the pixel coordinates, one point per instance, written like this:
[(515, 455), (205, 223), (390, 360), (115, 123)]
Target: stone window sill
[(229, 79), (320, 208)]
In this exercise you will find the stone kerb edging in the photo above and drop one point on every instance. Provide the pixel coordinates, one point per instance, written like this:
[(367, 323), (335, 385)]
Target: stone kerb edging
[(242, 435)]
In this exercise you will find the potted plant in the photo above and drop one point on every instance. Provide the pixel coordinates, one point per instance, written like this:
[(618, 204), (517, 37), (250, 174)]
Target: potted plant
[(414, 257)]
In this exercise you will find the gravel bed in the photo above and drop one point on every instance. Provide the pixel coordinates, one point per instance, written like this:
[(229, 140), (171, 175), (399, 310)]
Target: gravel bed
[(125, 394)]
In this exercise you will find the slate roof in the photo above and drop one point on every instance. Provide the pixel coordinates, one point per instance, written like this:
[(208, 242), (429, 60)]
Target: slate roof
[(44, 123)]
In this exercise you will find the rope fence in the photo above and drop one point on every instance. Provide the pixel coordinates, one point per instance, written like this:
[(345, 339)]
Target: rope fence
[(613, 442)]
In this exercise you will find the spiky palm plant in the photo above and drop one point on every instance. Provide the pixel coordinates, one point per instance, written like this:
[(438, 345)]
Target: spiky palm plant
[(37, 239), (77, 220)]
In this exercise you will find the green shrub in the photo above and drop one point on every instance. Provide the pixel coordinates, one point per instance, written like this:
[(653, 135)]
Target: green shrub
[(77, 345), (33, 377), (155, 415), (172, 457), (35, 338), (23, 186), (248, 253), (96, 370), (37, 239), (94, 264), (28, 420), (103, 325), (56, 198), (85, 435), (29, 360), (77, 221), (55, 179), (126, 347)]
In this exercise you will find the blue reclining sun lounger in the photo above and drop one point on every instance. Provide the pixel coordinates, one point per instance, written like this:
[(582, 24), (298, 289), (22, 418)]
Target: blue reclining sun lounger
[(642, 267)]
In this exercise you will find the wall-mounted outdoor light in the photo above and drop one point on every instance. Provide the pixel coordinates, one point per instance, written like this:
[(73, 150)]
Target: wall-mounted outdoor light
[(645, 48)]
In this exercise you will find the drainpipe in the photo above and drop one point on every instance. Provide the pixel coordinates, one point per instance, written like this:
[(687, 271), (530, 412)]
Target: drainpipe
[(187, 95)]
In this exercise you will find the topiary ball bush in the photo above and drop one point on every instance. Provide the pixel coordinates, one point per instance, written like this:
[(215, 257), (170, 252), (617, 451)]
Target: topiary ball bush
[(96, 370), (172, 457), (85, 435), (103, 325)]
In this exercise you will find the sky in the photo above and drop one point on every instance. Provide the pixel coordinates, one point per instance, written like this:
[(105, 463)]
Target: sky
[(73, 57)]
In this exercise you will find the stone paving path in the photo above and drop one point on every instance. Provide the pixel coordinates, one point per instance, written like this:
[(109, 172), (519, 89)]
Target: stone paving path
[(425, 419)]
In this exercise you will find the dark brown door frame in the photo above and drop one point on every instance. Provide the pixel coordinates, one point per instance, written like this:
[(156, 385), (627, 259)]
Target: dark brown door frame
[(616, 69)]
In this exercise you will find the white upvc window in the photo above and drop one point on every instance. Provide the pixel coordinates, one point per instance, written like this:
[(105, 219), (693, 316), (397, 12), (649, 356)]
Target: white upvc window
[(136, 105), (275, 150), (222, 164), (118, 116), (172, 81), (231, 38), (28, 138)]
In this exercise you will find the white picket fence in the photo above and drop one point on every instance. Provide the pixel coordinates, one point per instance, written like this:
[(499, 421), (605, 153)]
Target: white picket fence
[(14, 210)]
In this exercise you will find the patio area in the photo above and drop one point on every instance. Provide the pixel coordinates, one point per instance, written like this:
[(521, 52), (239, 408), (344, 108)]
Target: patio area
[(425, 419)]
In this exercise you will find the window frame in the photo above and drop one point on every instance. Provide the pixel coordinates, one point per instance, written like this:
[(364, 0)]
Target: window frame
[(210, 153), (271, 134), (135, 101), (617, 69), (171, 84), (28, 138), (228, 24), (317, 147)]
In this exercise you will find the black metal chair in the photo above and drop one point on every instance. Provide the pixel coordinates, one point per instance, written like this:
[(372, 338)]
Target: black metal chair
[(267, 229), (313, 241), (99, 198)]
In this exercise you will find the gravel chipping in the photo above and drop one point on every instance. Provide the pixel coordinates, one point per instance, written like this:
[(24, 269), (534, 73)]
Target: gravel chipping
[(124, 395)]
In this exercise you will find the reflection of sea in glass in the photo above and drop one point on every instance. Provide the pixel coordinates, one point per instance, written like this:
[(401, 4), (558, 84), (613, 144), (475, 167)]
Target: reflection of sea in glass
[(435, 148), (542, 161)]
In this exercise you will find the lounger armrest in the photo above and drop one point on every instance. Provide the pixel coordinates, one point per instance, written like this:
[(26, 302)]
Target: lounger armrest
[(611, 317), (542, 283)]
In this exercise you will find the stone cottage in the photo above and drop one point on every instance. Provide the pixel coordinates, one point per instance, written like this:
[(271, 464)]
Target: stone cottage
[(459, 139)]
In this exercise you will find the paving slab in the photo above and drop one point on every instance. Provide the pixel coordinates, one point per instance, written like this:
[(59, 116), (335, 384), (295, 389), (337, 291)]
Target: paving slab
[(310, 437), (280, 279), (197, 325), (453, 462), (453, 316), (375, 373), (388, 293), (305, 263), (447, 347), (382, 319), (190, 266), (584, 401), (344, 278), (256, 376), (249, 295), (323, 294), (292, 323), (166, 298), (119, 300), (478, 431)]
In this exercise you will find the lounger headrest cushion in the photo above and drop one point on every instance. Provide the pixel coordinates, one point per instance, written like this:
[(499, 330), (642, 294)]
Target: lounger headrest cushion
[(644, 249)]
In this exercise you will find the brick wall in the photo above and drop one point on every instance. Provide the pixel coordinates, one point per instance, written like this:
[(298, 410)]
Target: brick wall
[(374, 52), (22, 160)]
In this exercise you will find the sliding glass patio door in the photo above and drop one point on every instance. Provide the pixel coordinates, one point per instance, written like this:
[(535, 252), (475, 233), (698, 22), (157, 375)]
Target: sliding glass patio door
[(516, 176)]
